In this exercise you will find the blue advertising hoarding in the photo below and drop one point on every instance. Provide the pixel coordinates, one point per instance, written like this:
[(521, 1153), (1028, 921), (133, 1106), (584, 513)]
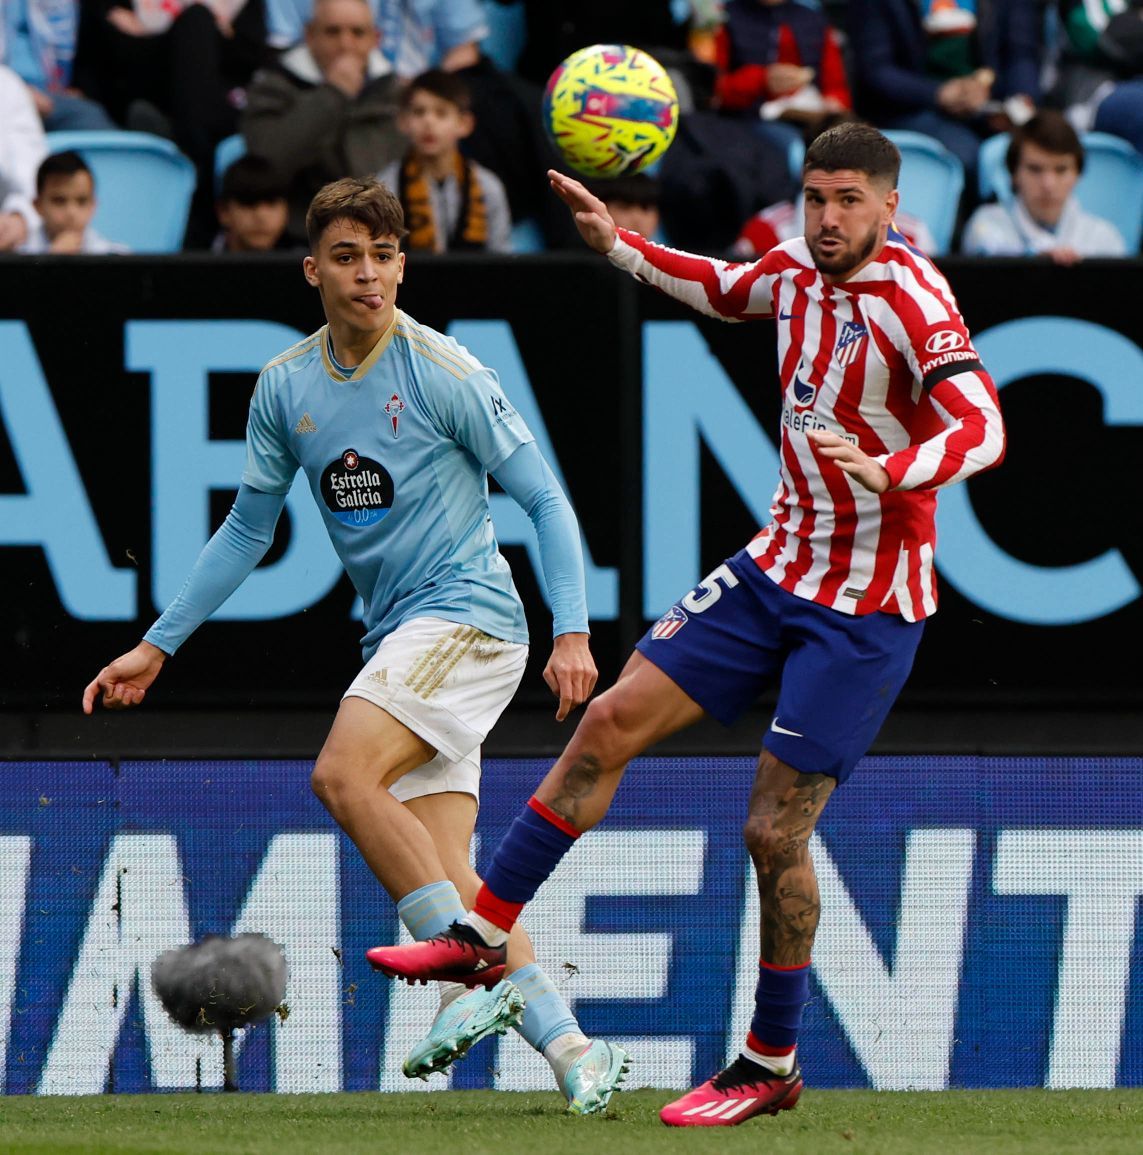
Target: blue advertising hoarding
[(979, 926)]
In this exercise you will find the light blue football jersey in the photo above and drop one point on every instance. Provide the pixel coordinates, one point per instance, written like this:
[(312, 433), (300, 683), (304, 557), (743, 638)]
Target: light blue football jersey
[(397, 454)]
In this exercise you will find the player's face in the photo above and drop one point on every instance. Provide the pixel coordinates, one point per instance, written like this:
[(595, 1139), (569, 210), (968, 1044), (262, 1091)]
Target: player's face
[(357, 276), (847, 219), (434, 124), (67, 204), (1044, 181)]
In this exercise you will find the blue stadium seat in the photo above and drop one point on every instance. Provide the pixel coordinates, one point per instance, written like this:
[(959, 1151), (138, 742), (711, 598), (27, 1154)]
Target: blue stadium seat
[(527, 237), (143, 186), (505, 39), (1111, 185), (227, 151), (932, 179), (795, 158)]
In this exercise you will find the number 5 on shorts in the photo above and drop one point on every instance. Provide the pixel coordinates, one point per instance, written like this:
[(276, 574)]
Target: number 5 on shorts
[(708, 591)]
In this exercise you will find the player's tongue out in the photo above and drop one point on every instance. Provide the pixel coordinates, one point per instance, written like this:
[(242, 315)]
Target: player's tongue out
[(371, 300)]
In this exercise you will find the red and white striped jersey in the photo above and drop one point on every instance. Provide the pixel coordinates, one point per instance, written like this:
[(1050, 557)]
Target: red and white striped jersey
[(884, 360)]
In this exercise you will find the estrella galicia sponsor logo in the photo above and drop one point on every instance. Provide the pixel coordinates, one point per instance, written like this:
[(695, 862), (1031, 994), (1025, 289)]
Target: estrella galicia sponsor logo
[(357, 490)]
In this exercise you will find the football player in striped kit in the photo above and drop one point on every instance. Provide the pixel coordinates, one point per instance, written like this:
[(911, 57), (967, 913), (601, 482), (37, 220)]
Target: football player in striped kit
[(884, 401), (397, 428)]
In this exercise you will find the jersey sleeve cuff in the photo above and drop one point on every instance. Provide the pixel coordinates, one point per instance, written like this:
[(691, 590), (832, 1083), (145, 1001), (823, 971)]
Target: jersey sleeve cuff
[(625, 254), (894, 466)]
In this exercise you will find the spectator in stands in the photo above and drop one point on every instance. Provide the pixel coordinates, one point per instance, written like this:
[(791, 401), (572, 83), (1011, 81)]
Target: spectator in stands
[(554, 31), (39, 38), (253, 208), (177, 69), (65, 202), (1099, 67), (944, 68), (451, 204), (327, 108), (415, 34), (633, 202), (780, 64), (1045, 159), (21, 150)]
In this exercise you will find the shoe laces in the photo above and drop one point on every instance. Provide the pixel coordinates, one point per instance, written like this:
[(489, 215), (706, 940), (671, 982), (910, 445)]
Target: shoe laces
[(742, 1073), (461, 935)]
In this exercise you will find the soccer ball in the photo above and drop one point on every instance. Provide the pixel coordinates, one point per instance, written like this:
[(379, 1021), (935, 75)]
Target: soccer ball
[(610, 110)]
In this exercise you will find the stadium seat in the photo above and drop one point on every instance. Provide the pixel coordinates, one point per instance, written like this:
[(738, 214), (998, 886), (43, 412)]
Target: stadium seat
[(795, 158), (505, 39), (1111, 185), (228, 150), (932, 179), (527, 237), (143, 186)]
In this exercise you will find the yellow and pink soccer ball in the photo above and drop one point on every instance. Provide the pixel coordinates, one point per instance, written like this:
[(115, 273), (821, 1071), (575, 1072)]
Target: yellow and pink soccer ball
[(610, 110)]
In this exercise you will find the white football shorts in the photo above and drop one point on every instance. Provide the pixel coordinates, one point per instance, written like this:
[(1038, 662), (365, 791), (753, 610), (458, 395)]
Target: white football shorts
[(448, 683)]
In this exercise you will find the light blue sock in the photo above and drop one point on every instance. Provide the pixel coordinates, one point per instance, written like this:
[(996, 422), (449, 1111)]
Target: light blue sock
[(430, 909), (546, 1015)]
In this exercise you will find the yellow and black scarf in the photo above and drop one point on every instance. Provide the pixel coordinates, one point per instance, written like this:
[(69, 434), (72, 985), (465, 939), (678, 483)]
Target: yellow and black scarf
[(471, 230)]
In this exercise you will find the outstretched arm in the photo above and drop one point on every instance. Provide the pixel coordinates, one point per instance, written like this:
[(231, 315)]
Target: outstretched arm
[(526, 478), (725, 290), (226, 561)]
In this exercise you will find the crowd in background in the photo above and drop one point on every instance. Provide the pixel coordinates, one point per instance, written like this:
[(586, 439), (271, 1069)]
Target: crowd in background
[(423, 94)]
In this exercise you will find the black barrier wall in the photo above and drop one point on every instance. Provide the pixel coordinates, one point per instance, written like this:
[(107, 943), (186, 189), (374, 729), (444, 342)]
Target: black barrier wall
[(123, 391)]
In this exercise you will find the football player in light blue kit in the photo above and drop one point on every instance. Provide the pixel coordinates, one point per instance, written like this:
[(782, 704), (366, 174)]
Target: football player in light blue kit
[(396, 428)]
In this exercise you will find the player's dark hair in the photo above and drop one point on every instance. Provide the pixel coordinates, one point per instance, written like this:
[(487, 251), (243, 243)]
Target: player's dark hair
[(252, 180), (61, 164), (636, 189), (441, 84), (1050, 131), (366, 201), (855, 146)]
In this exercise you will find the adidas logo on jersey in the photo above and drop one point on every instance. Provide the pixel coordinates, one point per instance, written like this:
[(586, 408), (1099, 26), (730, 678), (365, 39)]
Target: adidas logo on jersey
[(306, 425)]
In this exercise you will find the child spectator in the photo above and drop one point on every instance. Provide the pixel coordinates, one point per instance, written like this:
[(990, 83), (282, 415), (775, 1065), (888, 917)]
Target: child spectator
[(633, 202), (65, 201), (253, 208), (450, 203), (1045, 159), (779, 61)]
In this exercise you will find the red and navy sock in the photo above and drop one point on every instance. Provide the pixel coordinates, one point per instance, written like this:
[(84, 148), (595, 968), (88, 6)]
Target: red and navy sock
[(778, 1001), (533, 847)]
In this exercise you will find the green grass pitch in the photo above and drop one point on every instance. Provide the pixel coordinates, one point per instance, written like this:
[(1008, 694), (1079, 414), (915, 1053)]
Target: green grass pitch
[(505, 1123)]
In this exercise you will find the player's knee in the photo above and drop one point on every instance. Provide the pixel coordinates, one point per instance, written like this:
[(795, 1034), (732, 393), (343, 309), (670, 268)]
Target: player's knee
[(327, 781), (771, 847), (608, 725)]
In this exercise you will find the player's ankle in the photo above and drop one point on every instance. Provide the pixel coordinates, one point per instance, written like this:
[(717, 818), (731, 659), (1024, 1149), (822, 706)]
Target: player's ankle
[(778, 1064), (562, 1051), (489, 932)]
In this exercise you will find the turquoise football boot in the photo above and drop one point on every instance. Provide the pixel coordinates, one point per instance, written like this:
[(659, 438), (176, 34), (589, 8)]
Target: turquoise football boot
[(594, 1076), (464, 1022)]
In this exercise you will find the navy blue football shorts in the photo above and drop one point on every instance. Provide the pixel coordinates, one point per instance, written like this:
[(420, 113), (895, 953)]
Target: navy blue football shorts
[(738, 632)]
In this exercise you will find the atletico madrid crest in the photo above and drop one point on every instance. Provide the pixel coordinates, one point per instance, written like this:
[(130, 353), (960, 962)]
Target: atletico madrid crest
[(669, 624), (850, 342)]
